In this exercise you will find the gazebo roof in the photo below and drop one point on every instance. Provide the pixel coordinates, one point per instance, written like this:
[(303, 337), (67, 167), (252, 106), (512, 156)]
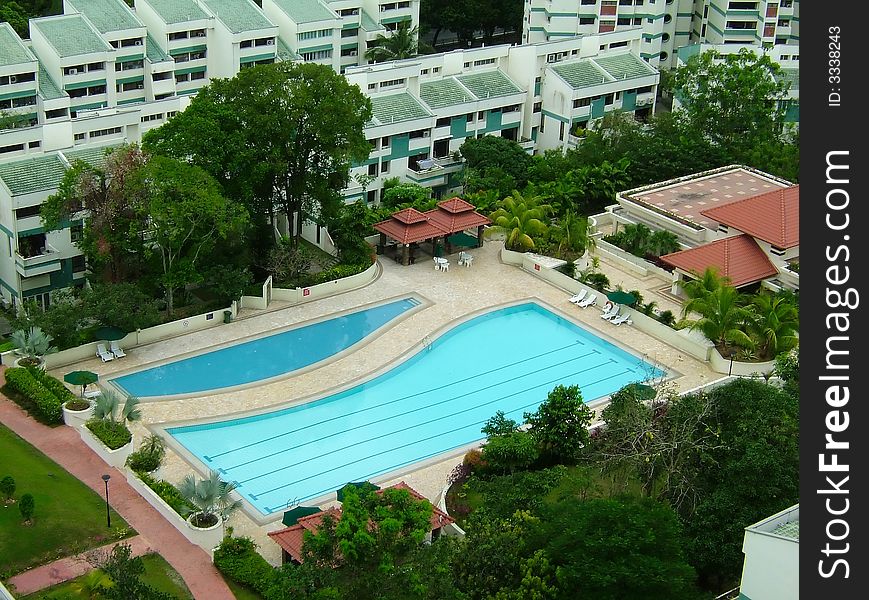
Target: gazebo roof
[(456, 205), (409, 216), (408, 233), (410, 225)]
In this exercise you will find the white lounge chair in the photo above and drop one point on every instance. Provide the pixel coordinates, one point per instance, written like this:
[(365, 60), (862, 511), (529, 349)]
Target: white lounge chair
[(611, 313), (578, 298), (590, 301), (116, 350), (93, 393), (104, 354), (625, 318)]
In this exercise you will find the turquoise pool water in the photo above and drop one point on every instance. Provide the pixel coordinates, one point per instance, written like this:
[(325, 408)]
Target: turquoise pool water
[(262, 358), (437, 400)]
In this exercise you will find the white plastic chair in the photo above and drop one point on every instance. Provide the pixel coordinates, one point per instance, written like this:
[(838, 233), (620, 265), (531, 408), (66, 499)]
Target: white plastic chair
[(626, 318), (611, 313), (104, 354), (590, 301), (445, 266), (116, 350), (578, 298)]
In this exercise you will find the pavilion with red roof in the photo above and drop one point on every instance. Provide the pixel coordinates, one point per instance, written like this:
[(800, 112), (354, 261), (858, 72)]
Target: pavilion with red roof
[(291, 538), (409, 227)]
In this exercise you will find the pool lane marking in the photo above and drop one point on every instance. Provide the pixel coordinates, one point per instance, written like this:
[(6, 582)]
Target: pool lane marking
[(440, 418), (393, 449), (434, 389), (407, 412)]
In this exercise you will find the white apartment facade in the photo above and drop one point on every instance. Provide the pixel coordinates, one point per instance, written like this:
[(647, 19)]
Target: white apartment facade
[(772, 558), (103, 74), (667, 24)]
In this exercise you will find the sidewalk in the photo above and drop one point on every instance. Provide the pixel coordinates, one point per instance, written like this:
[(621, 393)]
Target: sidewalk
[(64, 446), (68, 568)]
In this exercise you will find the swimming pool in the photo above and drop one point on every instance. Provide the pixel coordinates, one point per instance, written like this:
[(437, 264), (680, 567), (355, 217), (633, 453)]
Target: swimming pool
[(436, 401), (265, 357)]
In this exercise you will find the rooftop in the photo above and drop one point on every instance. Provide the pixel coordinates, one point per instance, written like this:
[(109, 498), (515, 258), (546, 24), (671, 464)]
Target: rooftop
[(48, 88), (580, 74), (238, 15), (154, 52), (394, 108), (738, 258), (587, 72), (177, 11), (285, 53), (489, 84), (688, 197), (785, 524), (32, 174), (773, 217), (444, 92), (624, 66), (12, 50), (368, 22), (70, 35), (305, 11), (96, 157), (107, 15)]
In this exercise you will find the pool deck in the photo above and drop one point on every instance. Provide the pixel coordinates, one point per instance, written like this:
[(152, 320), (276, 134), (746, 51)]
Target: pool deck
[(453, 295)]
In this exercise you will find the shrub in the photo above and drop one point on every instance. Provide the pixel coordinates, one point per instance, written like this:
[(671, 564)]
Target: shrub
[(41, 398), (238, 559), (7, 488), (7, 346), (111, 433), (473, 460), (27, 506), (149, 455), (598, 281), (339, 272), (56, 387), (667, 318), (168, 492)]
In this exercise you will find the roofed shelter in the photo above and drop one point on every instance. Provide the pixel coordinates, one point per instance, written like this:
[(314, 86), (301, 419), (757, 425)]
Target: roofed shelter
[(409, 226)]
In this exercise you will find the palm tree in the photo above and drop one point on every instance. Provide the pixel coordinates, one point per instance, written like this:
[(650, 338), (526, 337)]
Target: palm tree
[(574, 234), (702, 286), (403, 43), (776, 324), (209, 498), (32, 344), (92, 585), (108, 406), (723, 317), (520, 219)]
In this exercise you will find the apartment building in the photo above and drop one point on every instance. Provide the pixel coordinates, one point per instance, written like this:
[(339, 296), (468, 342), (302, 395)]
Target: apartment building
[(102, 74), (667, 25), (772, 553)]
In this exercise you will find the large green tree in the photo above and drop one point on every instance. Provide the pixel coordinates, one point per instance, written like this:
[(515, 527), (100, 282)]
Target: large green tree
[(399, 44), (520, 219), (733, 98), (279, 138), (560, 424), (17, 15), (494, 163)]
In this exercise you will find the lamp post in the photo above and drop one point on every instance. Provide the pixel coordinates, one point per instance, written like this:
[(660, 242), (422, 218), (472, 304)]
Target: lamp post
[(106, 478)]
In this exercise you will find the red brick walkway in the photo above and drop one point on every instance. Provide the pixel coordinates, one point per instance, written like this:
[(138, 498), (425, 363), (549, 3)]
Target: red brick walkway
[(68, 568), (64, 446)]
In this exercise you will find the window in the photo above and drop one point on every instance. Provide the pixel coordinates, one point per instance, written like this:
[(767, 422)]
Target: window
[(668, 18), (349, 52), (538, 106), (372, 86), (346, 33), (436, 70), (171, 114), (155, 117), (197, 33), (75, 232), (246, 44), (467, 65), (178, 35), (626, 2), (79, 137), (197, 75), (742, 5), (105, 132), (424, 72), (443, 122), (97, 66), (561, 132), (784, 23), (348, 12), (580, 102), (588, 2), (419, 133), (608, 99), (384, 166), (586, 20), (384, 142), (745, 25), (30, 211), (618, 45), (78, 264), (372, 169), (392, 83), (542, 122), (644, 90), (319, 55), (312, 35), (488, 61), (664, 56)]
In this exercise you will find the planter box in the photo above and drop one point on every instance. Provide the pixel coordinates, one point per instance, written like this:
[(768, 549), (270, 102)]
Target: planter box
[(77, 418), (206, 537), (720, 364), (115, 458), (449, 528)]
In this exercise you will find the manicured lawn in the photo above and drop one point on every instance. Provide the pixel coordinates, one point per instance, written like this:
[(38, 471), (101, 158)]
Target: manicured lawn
[(69, 517), (158, 574), (241, 592)]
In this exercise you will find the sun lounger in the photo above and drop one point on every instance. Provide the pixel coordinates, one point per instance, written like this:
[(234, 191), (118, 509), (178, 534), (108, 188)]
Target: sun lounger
[(578, 298), (104, 354), (622, 319), (611, 313), (116, 350), (93, 393), (587, 302)]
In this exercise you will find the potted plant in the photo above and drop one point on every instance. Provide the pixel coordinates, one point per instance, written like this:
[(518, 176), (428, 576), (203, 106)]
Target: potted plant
[(211, 502), (77, 411), (31, 345), (109, 426), (149, 456)]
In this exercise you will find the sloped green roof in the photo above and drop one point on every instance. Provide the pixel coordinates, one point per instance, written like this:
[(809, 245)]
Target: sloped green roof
[(107, 15), (93, 156), (154, 52), (238, 15), (12, 51), (70, 35), (790, 529), (580, 74), (48, 89), (368, 22), (32, 174), (177, 11), (304, 11), (444, 92), (395, 108), (624, 66), (285, 53), (489, 84)]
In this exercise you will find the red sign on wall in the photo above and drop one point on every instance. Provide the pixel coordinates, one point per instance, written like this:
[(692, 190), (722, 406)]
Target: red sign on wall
[(306, 292), (536, 267)]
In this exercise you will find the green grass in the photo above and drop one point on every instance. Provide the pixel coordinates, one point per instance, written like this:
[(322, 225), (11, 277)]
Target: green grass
[(241, 592), (158, 574), (69, 517)]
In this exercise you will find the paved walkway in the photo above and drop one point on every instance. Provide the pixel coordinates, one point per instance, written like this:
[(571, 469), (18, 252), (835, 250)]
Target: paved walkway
[(68, 568), (64, 446)]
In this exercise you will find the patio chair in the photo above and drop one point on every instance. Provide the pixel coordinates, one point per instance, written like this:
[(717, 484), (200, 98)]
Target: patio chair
[(116, 350), (625, 318), (590, 301), (611, 313), (469, 258), (437, 263), (445, 265), (104, 354), (578, 297), (93, 393)]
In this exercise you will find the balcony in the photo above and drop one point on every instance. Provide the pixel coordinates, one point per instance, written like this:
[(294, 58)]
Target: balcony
[(37, 261), (433, 171)]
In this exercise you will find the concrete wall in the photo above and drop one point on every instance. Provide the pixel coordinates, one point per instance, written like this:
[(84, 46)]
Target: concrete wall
[(720, 364), (115, 458), (321, 290), (633, 263)]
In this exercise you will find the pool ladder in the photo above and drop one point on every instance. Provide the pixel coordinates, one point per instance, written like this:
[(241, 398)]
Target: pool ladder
[(427, 342)]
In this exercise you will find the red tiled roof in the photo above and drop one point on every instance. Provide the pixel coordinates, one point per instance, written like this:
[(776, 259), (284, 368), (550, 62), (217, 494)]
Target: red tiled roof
[(738, 258), (456, 205), (773, 217), (407, 234), (453, 222), (292, 538), (409, 216)]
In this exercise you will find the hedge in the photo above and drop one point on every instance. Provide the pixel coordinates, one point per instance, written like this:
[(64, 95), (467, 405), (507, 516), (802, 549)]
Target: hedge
[(111, 433), (45, 401), (57, 388), (168, 492), (238, 559)]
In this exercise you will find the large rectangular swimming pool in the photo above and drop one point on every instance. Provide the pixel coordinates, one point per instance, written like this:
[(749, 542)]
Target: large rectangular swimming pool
[(436, 401)]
